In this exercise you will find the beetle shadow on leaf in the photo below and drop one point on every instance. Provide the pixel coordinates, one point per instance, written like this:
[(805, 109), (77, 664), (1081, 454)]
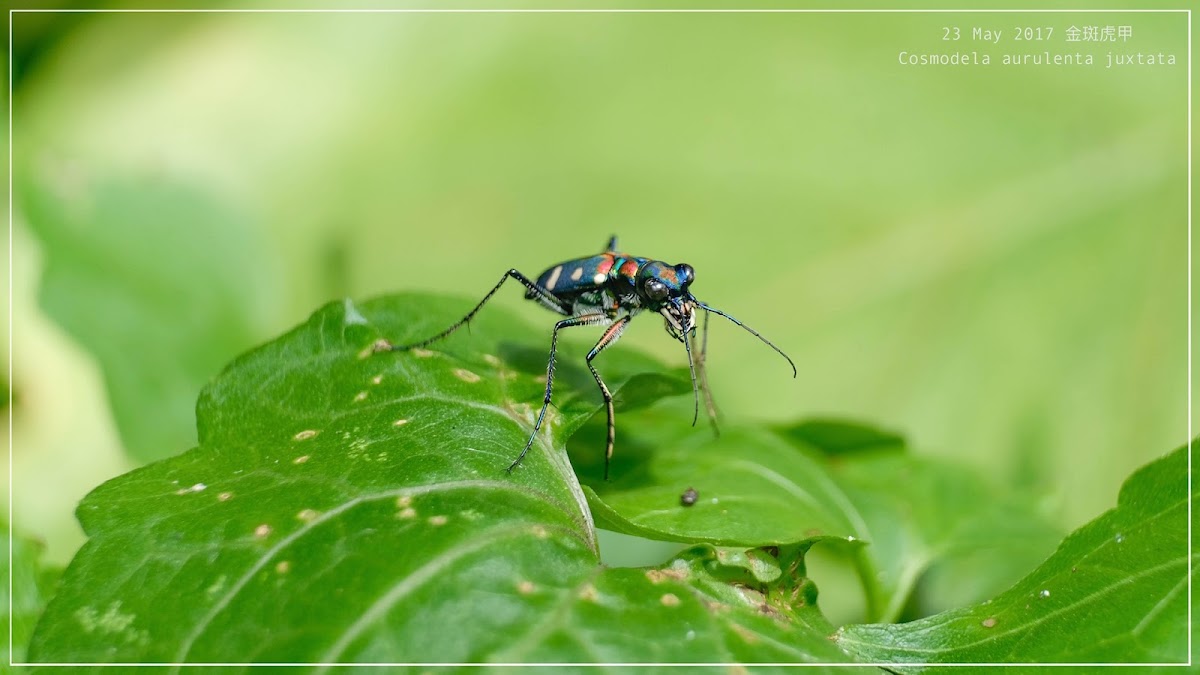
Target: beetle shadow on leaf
[(630, 468)]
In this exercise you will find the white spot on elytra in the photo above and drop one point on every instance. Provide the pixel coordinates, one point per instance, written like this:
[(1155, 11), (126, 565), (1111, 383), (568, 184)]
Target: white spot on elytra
[(262, 530), (360, 396), (599, 279), (300, 460), (438, 521), (399, 423), (553, 278), (577, 274), (305, 435), (466, 375)]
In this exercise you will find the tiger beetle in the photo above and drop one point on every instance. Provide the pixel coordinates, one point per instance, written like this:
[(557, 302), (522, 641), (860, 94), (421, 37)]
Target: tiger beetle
[(609, 289)]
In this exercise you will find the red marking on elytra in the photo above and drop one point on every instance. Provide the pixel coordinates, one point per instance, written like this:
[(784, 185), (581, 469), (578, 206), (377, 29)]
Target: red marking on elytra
[(628, 268)]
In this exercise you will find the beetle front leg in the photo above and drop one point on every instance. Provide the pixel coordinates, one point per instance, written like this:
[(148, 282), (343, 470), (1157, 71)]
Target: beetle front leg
[(710, 405)]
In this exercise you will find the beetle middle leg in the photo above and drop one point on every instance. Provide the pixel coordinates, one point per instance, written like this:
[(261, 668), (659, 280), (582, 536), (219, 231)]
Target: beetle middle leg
[(610, 336), (581, 320)]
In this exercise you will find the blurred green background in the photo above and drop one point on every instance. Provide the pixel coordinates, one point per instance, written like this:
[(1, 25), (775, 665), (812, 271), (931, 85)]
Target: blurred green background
[(990, 260)]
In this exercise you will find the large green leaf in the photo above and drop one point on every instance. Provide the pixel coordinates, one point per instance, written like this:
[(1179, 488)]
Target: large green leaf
[(159, 281), (1114, 591), (818, 478), (32, 584), (350, 506)]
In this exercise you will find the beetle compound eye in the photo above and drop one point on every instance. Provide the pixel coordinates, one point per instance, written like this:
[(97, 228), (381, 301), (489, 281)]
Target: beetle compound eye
[(656, 290)]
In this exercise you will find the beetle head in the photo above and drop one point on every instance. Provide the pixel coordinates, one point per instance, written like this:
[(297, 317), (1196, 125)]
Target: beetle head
[(663, 288)]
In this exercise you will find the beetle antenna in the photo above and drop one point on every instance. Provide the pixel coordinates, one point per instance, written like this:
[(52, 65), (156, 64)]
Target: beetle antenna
[(687, 344), (750, 330)]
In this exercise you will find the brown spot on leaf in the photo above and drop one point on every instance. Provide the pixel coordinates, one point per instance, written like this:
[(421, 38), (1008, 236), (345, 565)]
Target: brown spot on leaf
[(466, 375), (747, 636)]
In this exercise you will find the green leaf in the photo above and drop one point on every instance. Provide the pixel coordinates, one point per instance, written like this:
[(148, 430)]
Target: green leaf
[(847, 483), (1115, 591), (160, 282), (32, 585), (706, 605), (350, 506)]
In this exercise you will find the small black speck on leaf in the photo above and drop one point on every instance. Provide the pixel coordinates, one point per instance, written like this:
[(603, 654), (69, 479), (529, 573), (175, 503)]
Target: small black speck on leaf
[(689, 497)]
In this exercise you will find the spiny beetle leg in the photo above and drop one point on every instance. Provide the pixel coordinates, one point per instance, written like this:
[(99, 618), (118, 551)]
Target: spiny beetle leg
[(543, 296), (581, 320)]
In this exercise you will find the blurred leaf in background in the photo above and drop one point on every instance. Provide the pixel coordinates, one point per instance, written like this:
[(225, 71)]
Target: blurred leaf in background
[(988, 259), (160, 283), (33, 582)]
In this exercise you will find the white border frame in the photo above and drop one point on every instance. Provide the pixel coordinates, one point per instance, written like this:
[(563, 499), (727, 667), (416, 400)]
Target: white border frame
[(592, 11)]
